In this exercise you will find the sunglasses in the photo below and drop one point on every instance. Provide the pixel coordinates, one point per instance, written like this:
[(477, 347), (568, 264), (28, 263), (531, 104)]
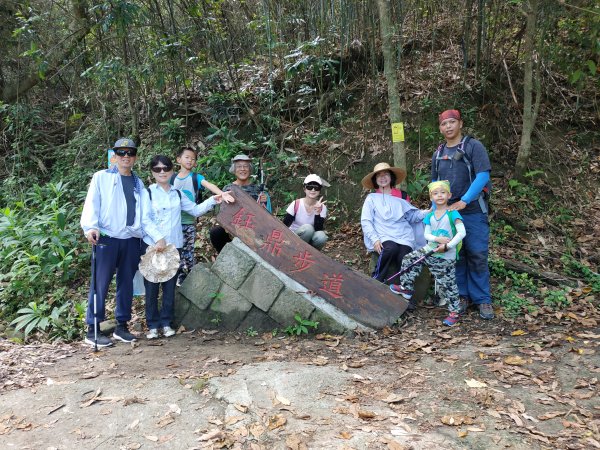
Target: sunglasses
[(312, 187), (160, 169), (125, 152)]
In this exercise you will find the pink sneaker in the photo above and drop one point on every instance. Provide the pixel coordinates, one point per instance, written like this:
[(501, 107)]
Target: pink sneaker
[(452, 319)]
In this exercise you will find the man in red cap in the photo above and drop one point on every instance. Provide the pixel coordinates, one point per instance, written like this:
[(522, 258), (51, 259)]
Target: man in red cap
[(464, 162)]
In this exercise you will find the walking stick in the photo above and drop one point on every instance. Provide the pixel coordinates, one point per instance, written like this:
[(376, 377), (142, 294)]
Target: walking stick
[(410, 266), (95, 302)]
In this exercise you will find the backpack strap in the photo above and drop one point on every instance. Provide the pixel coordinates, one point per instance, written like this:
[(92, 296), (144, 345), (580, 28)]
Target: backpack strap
[(150, 193), (172, 179), (296, 206)]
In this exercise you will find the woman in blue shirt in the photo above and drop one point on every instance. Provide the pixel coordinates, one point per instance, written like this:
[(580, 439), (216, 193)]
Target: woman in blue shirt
[(161, 221)]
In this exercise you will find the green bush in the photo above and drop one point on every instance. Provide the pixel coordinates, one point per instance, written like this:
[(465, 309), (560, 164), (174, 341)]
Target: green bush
[(39, 248)]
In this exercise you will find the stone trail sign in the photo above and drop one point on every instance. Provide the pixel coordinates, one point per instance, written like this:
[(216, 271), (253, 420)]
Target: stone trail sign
[(362, 298)]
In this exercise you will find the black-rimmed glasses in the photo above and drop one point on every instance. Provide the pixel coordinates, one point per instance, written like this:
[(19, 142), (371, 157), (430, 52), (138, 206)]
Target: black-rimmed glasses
[(160, 169), (125, 152), (312, 187)]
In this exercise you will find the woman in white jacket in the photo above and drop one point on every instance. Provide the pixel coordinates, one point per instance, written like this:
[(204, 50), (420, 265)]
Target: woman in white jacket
[(161, 221)]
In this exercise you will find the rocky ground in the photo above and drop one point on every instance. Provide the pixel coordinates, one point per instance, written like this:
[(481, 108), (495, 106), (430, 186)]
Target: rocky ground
[(480, 385)]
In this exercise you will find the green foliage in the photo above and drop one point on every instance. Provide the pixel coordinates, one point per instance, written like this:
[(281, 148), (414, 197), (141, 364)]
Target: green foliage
[(323, 134), (514, 303), (215, 164), (174, 131), (64, 322), (251, 332), (301, 326), (417, 183), (556, 299), (39, 245), (576, 268)]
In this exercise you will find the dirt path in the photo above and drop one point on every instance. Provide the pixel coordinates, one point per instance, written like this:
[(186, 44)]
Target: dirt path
[(476, 386)]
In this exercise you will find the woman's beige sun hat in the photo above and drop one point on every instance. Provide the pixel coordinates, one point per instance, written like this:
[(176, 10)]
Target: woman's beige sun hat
[(379, 167), (158, 267)]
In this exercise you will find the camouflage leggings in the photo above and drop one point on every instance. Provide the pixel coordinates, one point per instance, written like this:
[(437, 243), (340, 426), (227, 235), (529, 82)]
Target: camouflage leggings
[(443, 271), (187, 252)]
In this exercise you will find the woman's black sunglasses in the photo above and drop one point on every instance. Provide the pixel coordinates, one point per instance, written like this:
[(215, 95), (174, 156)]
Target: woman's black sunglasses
[(312, 187), (125, 152), (162, 169)]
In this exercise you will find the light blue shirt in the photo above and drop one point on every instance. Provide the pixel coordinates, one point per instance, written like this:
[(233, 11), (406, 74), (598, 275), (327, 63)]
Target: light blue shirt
[(161, 216)]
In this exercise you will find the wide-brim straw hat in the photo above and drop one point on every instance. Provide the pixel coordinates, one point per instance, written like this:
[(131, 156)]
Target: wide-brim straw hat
[(380, 167), (158, 267)]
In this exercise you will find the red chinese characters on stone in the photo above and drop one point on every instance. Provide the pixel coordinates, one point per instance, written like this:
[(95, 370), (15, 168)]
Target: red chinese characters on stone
[(302, 262), (243, 219), (332, 284), (273, 243)]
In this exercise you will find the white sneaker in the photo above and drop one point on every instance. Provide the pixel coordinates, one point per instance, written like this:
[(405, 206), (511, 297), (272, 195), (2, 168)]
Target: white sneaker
[(168, 331), (152, 334)]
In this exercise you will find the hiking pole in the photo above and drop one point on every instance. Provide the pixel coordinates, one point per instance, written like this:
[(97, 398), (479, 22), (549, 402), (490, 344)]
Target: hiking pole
[(95, 302), (410, 266)]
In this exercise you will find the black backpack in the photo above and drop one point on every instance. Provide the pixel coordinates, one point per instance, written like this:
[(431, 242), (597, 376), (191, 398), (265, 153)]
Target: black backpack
[(195, 184)]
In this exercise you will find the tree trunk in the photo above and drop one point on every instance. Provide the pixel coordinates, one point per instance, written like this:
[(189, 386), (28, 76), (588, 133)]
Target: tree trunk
[(389, 69), (10, 92), (529, 110)]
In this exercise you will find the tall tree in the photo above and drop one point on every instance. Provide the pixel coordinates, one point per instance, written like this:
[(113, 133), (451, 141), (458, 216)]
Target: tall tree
[(389, 69), (530, 110)]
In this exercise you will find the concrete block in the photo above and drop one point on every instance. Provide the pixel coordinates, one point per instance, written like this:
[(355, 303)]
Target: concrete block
[(259, 320), (195, 318), (327, 323), (261, 287), (233, 266), (287, 304), (200, 286), (182, 306), (231, 307)]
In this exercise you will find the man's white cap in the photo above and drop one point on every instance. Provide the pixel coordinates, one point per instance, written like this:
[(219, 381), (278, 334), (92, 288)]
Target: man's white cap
[(313, 177)]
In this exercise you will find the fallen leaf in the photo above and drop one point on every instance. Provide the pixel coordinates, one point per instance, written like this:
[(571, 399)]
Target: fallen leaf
[(294, 442), (276, 421), (345, 435), (462, 433), (152, 438), (366, 414), (475, 383), (551, 415), (212, 434), (256, 429), (518, 333), (281, 399), (394, 398), (456, 420), (241, 408), (514, 361)]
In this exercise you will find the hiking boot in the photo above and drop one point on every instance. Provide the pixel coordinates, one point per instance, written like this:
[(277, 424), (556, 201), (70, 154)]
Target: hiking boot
[(452, 319), (122, 333), (102, 341), (399, 290), (152, 333), (168, 331), (486, 311)]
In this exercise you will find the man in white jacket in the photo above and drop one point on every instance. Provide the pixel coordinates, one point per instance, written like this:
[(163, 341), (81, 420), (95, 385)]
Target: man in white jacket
[(111, 221)]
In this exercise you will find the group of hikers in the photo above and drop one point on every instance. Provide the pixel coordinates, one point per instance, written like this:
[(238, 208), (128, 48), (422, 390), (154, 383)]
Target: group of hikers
[(126, 222)]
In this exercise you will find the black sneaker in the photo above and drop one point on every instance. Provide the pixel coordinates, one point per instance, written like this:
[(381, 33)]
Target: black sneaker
[(102, 341), (122, 333)]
